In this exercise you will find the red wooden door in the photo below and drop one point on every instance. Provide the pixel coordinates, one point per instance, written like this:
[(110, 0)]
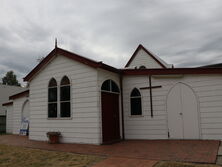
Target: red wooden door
[(110, 117)]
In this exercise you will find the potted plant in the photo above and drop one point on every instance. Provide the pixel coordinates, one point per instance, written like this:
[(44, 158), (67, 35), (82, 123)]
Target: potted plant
[(53, 137)]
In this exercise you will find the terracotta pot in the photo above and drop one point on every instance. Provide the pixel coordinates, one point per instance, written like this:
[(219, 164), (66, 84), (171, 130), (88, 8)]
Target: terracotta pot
[(53, 139)]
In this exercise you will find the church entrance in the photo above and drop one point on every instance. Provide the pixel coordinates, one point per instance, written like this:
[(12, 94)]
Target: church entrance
[(110, 112), (182, 110)]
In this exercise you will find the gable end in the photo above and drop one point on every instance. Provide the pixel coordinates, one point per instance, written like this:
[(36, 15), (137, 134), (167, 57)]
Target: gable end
[(73, 56), (148, 52)]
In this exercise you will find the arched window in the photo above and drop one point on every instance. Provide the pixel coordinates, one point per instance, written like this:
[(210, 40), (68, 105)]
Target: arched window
[(65, 97), (135, 102), (52, 98), (110, 86)]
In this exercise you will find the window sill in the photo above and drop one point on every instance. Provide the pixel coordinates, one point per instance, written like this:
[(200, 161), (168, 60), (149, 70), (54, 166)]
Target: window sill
[(70, 118)]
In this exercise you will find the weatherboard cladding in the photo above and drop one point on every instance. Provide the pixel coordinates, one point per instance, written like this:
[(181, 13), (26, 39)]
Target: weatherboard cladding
[(208, 90), (9, 119), (20, 94), (155, 62), (86, 78), (17, 113), (73, 56), (84, 124)]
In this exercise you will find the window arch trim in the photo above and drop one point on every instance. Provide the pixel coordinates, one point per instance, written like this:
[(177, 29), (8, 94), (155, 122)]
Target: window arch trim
[(135, 102), (65, 81), (135, 93), (52, 98), (110, 86), (52, 83)]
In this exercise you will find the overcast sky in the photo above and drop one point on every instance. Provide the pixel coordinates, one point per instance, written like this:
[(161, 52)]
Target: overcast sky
[(185, 33)]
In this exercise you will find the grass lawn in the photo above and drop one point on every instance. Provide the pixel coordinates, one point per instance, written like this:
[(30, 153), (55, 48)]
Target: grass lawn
[(12, 156), (181, 164)]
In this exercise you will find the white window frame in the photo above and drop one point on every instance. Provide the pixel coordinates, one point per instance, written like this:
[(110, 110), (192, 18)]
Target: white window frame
[(48, 98), (134, 97), (59, 101), (66, 100)]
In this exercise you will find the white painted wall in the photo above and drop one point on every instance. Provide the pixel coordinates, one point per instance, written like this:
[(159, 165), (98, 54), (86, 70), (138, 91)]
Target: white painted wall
[(208, 89), (5, 92), (104, 75), (143, 127), (84, 124), (17, 113), (144, 59), (9, 118)]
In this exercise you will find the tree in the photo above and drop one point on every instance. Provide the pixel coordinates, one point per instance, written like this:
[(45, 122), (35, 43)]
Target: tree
[(10, 79)]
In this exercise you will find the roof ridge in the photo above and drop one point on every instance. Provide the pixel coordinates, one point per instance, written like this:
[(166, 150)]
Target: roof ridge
[(1, 84), (78, 55), (71, 55)]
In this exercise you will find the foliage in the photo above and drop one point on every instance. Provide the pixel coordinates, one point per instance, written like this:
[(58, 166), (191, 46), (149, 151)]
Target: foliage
[(10, 79)]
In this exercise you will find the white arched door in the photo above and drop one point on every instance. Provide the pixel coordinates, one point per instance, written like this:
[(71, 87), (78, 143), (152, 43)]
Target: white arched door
[(25, 111), (182, 109)]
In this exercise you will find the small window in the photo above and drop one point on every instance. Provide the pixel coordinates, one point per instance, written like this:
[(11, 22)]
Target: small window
[(135, 102), (65, 97), (52, 99), (110, 86), (142, 67)]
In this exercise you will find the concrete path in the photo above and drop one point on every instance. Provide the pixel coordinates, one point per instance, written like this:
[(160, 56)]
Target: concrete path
[(201, 151), (219, 156)]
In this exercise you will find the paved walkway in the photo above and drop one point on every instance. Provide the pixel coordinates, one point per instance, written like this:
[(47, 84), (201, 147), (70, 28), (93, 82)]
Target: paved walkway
[(125, 162), (219, 156), (204, 151)]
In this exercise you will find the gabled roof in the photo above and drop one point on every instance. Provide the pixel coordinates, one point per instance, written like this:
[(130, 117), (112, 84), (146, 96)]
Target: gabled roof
[(20, 94), (171, 71), (95, 64), (148, 52), (73, 56), (218, 65), (7, 103)]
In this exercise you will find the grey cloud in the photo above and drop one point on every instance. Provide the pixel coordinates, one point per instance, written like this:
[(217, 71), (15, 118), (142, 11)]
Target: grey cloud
[(186, 32)]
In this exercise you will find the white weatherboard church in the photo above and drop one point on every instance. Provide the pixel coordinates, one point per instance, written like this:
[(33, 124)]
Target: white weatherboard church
[(91, 102)]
